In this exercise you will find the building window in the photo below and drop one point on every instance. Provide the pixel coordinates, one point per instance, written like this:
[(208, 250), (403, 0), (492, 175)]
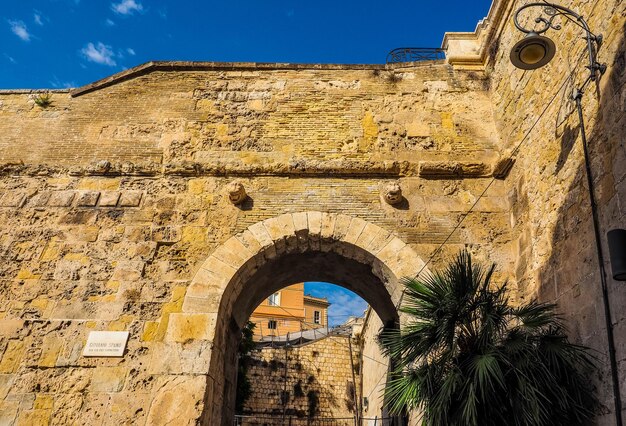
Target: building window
[(274, 299), (316, 317), (271, 325)]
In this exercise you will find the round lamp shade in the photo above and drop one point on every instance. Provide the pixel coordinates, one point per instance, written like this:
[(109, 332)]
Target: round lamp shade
[(532, 52)]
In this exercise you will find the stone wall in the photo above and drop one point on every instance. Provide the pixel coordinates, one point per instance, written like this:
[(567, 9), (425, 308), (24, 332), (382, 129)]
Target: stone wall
[(115, 216), (375, 367), (319, 383), (551, 220)]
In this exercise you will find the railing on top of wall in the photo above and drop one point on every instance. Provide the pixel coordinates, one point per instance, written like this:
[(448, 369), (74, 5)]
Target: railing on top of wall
[(414, 54)]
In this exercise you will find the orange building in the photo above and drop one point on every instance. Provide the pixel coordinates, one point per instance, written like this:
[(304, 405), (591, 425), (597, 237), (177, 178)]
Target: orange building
[(289, 310)]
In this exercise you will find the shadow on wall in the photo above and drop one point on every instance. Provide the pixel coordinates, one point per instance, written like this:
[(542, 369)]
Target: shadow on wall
[(571, 275), (298, 386)]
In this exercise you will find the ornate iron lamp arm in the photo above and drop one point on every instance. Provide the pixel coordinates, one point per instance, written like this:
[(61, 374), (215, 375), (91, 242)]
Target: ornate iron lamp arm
[(527, 54), (554, 10)]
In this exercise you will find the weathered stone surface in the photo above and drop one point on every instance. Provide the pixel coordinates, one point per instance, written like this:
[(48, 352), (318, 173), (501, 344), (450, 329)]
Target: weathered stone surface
[(171, 404), (322, 368), (121, 236)]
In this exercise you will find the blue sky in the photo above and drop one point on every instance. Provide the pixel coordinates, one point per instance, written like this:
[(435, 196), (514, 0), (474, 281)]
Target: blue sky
[(344, 303), (61, 43)]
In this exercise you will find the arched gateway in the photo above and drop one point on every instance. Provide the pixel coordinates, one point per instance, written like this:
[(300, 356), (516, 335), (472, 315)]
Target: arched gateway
[(251, 265)]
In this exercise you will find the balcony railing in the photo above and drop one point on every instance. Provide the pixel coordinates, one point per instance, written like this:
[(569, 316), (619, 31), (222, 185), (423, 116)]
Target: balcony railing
[(414, 54)]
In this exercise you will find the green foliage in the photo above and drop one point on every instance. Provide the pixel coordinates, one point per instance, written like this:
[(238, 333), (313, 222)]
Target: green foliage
[(466, 357), (244, 388), (44, 100)]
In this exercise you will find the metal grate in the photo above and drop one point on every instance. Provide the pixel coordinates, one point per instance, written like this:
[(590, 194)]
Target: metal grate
[(414, 54)]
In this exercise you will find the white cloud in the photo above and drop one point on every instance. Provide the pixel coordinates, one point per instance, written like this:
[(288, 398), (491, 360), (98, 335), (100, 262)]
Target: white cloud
[(109, 23), (10, 59), (126, 7), (37, 18), (131, 51), (20, 30), (99, 53), (56, 83)]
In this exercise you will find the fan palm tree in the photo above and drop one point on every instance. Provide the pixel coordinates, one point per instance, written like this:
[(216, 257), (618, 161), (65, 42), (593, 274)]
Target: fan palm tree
[(467, 357)]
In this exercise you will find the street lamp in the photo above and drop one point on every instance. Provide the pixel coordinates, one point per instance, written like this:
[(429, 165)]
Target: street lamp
[(532, 52)]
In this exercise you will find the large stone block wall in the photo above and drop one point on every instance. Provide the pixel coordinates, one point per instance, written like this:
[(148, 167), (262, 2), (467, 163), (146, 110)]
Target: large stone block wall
[(319, 383), (112, 199), (554, 249)]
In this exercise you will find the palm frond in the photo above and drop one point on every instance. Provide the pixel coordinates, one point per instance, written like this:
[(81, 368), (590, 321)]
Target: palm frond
[(467, 357)]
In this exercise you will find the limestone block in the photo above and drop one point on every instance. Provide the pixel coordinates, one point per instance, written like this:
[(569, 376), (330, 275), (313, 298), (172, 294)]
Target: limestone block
[(88, 199), (99, 184), (417, 130), (8, 412), (50, 351), (177, 400), (165, 358), (108, 379), (34, 418), (12, 356), (195, 357), (12, 199), (128, 270), (6, 384), (109, 198), (128, 408), (130, 199), (166, 234), (61, 198), (184, 327)]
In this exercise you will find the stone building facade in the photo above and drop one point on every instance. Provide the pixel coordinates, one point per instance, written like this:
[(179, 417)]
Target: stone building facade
[(311, 381), (118, 210)]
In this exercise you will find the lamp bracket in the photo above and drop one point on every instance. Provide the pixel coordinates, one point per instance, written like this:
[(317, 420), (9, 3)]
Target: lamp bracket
[(552, 11)]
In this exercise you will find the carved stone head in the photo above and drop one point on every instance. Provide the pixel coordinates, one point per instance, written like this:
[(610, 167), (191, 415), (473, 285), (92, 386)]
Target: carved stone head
[(392, 193), (236, 192), (102, 166)]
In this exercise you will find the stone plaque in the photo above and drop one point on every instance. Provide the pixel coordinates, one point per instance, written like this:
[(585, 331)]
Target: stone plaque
[(106, 343)]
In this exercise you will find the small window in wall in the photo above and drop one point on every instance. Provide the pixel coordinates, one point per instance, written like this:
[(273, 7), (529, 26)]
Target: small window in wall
[(316, 317), (271, 324), (274, 299)]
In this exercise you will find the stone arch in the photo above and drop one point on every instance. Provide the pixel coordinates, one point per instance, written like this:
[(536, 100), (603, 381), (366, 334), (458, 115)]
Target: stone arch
[(270, 255)]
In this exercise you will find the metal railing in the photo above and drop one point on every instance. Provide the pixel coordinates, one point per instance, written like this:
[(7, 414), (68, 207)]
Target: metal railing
[(279, 420), (414, 54)]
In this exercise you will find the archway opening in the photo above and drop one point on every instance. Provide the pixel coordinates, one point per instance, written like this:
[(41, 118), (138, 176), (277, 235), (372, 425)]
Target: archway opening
[(366, 277), (300, 357)]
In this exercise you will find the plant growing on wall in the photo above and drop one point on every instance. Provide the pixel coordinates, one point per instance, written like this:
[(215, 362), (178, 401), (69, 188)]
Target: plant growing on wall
[(467, 357), (244, 388), (44, 100)]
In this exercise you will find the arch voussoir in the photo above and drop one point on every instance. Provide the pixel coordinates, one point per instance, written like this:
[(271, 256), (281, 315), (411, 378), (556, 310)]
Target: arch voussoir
[(260, 233), (237, 273)]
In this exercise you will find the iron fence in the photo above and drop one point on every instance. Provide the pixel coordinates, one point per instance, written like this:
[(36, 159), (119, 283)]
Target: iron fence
[(414, 54), (279, 420)]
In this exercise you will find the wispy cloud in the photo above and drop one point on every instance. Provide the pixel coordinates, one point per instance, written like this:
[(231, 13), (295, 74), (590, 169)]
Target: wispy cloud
[(56, 83), (126, 7), (109, 23), (131, 51), (344, 303), (38, 18), (10, 59), (99, 53), (19, 29)]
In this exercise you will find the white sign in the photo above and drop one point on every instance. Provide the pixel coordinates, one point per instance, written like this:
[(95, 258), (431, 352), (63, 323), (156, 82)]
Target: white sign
[(106, 343)]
